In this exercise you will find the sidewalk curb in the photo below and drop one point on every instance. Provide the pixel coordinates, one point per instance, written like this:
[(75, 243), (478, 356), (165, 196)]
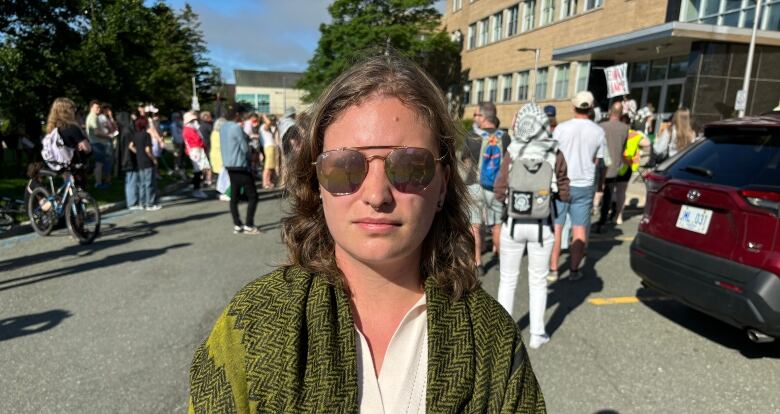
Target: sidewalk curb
[(24, 227)]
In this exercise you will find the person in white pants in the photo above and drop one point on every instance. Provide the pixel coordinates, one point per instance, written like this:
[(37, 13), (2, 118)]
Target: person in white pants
[(534, 142)]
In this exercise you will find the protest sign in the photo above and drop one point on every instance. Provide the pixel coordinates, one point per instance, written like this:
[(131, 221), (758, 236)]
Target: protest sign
[(617, 80)]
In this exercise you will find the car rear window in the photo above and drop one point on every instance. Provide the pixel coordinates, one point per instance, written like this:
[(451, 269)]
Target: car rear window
[(739, 159)]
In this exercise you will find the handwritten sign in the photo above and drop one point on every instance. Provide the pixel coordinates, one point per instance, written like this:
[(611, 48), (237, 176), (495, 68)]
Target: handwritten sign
[(617, 80)]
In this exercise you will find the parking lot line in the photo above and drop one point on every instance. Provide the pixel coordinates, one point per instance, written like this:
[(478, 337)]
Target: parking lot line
[(623, 300)]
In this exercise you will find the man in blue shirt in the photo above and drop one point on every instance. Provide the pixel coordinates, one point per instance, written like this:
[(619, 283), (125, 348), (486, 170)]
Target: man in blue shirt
[(234, 146)]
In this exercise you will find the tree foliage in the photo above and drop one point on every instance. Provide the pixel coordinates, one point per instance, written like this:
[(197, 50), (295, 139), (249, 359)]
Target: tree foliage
[(411, 27), (117, 51)]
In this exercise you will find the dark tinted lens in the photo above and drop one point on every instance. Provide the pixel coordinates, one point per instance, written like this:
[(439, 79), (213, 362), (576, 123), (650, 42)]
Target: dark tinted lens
[(410, 170), (341, 171)]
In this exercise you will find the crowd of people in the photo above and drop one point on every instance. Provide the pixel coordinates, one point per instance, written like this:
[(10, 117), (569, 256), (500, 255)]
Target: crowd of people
[(131, 146), (588, 163)]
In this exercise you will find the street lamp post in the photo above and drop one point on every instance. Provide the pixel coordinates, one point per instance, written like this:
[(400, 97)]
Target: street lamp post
[(751, 49), (537, 52)]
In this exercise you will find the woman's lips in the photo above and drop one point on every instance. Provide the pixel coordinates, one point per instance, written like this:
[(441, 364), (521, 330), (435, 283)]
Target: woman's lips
[(377, 225)]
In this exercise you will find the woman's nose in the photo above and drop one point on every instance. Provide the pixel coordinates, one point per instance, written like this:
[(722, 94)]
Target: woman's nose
[(376, 189)]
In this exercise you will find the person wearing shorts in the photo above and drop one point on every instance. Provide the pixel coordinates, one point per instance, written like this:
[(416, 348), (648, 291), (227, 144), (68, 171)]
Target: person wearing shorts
[(268, 137), (484, 208), (582, 143)]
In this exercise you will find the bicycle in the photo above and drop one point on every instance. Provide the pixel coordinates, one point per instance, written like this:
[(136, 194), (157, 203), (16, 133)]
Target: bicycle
[(45, 208), (9, 209)]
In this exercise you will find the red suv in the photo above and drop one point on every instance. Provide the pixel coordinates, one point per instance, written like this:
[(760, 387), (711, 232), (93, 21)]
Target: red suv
[(710, 233)]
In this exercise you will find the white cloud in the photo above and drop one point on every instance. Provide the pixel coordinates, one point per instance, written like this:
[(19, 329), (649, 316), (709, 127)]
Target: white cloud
[(264, 35)]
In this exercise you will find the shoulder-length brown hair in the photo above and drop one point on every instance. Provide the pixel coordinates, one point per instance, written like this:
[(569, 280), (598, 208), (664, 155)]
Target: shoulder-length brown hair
[(61, 114), (448, 249)]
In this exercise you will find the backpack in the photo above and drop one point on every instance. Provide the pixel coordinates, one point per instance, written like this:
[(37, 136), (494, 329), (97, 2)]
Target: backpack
[(54, 152), (530, 191), (491, 158)]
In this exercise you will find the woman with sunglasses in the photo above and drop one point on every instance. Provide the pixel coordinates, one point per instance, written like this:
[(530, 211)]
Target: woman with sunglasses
[(379, 309)]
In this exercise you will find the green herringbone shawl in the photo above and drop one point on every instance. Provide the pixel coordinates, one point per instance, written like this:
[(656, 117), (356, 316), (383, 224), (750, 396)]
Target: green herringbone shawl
[(286, 344)]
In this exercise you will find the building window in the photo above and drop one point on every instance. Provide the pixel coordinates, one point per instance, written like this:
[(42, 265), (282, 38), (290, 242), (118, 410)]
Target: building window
[(678, 67), (511, 27), (583, 73), (264, 104), (568, 8), (480, 95), (492, 89), (735, 13), (541, 84), (529, 9), (561, 81), (548, 11), (472, 36), (483, 32), (506, 82), (592, 4), (658, 69), (467, 94), (497, 26), (247, 98), (522, 86), (771, 16), (639, 71), (260, 102), (457, 5)]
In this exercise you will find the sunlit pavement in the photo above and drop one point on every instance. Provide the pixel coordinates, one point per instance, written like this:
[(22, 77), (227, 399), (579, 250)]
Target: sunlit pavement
[(112, 327)]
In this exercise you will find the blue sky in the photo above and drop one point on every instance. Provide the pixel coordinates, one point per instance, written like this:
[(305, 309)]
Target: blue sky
[(261, 34)]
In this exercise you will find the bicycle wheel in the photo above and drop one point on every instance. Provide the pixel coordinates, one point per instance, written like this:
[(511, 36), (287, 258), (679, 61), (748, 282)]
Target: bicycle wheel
[(6, 221), (40, 210), (83, 217)]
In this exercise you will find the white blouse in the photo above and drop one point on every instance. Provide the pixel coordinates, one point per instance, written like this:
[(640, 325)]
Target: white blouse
[(400, 387)]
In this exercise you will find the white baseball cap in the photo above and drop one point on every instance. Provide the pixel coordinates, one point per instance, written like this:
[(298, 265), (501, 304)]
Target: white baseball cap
[(583, 100)]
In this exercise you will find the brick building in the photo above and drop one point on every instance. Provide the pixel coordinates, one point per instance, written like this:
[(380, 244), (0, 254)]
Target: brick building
[(679, 52)]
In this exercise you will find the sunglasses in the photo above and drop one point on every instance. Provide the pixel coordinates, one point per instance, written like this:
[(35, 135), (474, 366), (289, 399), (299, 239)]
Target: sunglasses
[(343, 170)]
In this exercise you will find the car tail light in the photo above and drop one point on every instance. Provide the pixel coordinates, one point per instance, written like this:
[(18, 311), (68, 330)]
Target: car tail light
[(728, 286), (654, 181), (767, 200)]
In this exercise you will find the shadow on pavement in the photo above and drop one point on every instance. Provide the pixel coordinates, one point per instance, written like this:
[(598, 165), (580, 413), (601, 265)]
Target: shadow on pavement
[(107, 261), (710, 328), (606, 411), (569, 295), (138, 230), (17, 326)]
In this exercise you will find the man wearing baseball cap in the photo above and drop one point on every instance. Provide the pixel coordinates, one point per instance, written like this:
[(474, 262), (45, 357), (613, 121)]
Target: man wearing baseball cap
[(582, 143)]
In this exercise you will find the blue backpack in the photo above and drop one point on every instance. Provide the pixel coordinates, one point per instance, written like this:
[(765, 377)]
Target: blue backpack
[(491, 158)]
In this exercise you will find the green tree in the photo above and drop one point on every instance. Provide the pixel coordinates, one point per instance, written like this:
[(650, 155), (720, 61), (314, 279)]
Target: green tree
[(411, 27), (119, 51)]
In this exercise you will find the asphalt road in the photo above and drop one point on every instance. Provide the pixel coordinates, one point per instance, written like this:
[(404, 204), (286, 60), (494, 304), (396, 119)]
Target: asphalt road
[(111, 328)]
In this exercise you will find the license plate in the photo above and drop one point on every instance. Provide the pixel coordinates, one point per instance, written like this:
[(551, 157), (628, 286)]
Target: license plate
[(694, 219)]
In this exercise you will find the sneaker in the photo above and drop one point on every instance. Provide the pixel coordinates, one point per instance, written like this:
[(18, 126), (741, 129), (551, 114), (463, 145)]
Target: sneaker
[(252, 230), (199, 194), (223, 197), (575, 275), (552, 276), (238, 229), (135, 207), (153, 207), (619, 220), (537, 341)]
